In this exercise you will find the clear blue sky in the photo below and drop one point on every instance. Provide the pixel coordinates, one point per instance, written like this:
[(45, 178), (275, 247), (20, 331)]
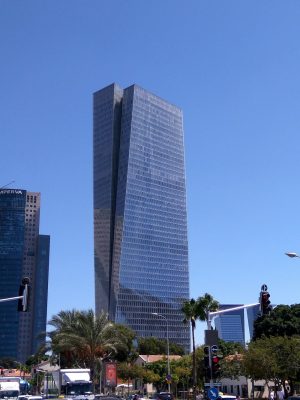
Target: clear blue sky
[(232, 66)]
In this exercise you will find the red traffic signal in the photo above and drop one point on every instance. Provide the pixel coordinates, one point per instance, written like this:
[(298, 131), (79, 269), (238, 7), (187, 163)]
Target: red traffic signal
[(265, 304)]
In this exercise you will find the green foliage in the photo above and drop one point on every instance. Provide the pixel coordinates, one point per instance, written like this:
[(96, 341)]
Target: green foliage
[(153, 345), (7, 362), (83, 339), (232, 366), (128, 371), (181, 371), (283, 321), (126, 350), (193, 310), (227, 348), (274, 358)]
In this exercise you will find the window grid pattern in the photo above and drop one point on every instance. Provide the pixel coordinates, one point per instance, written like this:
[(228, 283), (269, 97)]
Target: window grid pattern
[(149, 265)]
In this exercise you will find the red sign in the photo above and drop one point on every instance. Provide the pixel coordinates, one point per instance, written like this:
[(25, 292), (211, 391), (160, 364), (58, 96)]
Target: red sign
[(111, 374)]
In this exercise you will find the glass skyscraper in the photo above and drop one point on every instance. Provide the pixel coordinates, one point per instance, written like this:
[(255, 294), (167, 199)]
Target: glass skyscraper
[(140, 219), (252, 313), (231, 325), (23, 253)]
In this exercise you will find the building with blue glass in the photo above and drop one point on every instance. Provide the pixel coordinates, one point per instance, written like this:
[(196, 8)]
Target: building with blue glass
[(231, 325), (252, 313), (140, 218), (23, 253)]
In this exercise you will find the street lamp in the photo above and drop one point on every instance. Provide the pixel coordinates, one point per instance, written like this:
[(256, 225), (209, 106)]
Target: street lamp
[(292, 255), (168, 347)]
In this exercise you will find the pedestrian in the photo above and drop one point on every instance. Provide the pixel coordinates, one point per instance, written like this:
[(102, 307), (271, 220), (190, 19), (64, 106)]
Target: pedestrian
[(271, 397), (280, 394)]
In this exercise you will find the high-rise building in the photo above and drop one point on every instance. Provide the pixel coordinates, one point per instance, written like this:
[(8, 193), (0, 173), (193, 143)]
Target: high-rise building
[(231, 325), (252, 313), (23, 253), (140, 219)]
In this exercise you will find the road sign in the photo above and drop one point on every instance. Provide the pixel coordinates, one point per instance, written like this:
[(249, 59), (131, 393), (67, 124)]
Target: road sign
[(169, 378), (213, 393), (214, 348)]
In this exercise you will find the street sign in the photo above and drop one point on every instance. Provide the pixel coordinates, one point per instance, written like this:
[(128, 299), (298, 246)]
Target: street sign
[(169, 378), (214, 348), (213, 393)]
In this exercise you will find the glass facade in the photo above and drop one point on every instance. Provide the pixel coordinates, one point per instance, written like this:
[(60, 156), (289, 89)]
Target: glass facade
[(12, 230), (252, 313), (231, 325), (41, 291), (21, 256), (141, 247)]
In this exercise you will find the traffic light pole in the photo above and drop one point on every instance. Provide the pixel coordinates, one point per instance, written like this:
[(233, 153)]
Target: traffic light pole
[(11, 299), (24, 291), (214, 313)]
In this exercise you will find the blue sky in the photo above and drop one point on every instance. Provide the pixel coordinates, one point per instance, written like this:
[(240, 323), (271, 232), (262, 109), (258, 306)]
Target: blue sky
[(232, 66)]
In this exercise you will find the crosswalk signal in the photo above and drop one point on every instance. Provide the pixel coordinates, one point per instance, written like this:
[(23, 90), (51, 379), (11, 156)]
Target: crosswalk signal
[(264, 300), (24, 291)]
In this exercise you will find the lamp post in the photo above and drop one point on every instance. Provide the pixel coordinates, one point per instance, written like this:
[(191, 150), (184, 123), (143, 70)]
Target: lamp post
[(292, 255), (168, 347)]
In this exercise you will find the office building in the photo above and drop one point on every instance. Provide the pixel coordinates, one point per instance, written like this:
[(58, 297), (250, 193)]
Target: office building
[(231, 325), (140, 221), (252, 313), (23, 253)]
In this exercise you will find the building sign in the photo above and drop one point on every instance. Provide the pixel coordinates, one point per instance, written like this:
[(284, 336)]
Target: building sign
[(11, 191), (111, 374)]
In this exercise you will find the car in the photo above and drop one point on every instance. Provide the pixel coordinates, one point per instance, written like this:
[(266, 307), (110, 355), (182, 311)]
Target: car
[(29, 397), (164, 396)]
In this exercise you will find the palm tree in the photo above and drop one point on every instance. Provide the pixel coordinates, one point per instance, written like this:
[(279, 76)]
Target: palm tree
[(193, 310), (83, 338), (207, 304)]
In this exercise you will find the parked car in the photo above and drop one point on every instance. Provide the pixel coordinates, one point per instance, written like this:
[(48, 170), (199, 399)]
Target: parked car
[(164, 396)]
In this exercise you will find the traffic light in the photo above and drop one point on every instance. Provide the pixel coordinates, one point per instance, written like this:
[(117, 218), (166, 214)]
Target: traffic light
[(207, 370), (265, 304), (24, 291), (215, 362)]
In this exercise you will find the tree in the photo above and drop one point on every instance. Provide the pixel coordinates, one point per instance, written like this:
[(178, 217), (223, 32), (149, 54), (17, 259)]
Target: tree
[(232, 366), (126, 351), (7, 362), (193, 310), (153, 345), (283, 321), (82, 338), (230, 348), (274, 358)]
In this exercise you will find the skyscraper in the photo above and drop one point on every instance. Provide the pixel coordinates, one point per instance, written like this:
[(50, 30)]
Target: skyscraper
[(140, 221), (231, 325), (252, 313), (23, 253)]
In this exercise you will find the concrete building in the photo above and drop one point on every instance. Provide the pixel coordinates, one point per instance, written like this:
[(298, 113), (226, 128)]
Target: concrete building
[(23, 253), (140, 219)]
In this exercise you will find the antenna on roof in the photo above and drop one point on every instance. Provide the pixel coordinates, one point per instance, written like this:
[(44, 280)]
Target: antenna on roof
[(2, 187)]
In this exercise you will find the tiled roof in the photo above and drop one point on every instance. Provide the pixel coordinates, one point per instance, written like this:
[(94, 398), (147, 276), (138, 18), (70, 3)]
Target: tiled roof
[(15, 373), (234, 357), (157, 357)]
